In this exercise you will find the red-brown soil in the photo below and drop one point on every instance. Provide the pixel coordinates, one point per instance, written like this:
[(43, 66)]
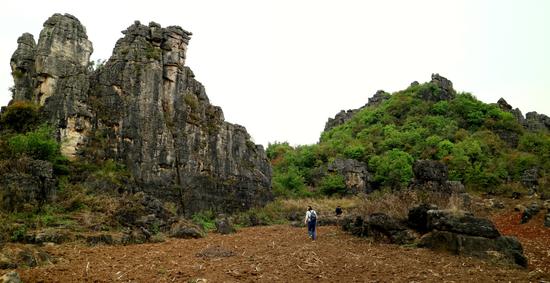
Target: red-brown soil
[(284, 254), (534, 237)]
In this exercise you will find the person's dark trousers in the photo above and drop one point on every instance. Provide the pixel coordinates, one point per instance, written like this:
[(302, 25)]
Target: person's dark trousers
[(312, 232)]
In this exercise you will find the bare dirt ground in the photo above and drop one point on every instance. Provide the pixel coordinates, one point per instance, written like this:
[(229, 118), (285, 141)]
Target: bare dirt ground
[(534, 237), (284, 254)]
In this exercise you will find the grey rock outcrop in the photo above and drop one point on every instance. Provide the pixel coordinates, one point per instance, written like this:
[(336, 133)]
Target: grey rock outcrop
[(22, 67), (343, 116), (537, 122), (224, 225), (441, 89), (504, 249), (158, 121), (25, 184), (529, 179), (356, 175), (186, 230), (461, 223), (461, 233), (432, 175), (380, 226), (529, 212), (446, 91), (418, 217), (54, 74), (532, 121), (143, 108)]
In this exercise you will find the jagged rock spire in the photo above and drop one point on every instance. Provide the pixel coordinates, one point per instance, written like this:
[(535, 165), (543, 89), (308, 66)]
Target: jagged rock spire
[(150, 112)]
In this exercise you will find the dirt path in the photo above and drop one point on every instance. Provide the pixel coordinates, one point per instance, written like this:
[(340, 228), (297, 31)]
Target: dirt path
[(265, 254)]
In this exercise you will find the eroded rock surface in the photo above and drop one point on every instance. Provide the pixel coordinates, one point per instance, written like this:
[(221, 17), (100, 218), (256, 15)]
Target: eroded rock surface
[(143, 108)]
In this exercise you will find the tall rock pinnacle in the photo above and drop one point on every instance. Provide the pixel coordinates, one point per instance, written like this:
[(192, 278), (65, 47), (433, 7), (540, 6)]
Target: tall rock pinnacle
[(53, 73), (149, 112)]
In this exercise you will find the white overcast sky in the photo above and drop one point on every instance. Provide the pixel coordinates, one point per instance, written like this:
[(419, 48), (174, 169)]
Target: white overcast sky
[(281, 68)]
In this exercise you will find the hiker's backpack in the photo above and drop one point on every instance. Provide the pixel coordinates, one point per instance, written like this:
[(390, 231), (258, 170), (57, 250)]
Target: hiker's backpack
[(313, 216)]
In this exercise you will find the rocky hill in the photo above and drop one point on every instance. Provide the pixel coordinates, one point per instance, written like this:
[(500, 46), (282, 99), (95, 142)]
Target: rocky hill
[(428, 135), (142, 110)]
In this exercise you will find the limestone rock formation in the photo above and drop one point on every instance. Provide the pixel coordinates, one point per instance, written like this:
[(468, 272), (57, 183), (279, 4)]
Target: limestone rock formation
[(54, 74), (25, 184), (446, 91), (461, 233), (142, 108), (432, 175), (532, 121), (344, 116), (536, 122), (355, 173)]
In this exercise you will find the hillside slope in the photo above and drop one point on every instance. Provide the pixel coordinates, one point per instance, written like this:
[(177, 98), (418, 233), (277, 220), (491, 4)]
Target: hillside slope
[(490, 147)]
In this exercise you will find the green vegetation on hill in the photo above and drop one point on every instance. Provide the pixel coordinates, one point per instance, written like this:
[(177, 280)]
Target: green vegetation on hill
[(483, 146)]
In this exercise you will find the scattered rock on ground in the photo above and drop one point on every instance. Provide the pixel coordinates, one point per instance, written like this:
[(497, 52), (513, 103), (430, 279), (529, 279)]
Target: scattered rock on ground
[(10, 277), (461, 222), (224, 226), (418, 217), (503, 249), (186, 230), (529, 212)]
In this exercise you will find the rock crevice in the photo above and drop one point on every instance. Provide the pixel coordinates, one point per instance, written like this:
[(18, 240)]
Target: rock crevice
[(148, 110)]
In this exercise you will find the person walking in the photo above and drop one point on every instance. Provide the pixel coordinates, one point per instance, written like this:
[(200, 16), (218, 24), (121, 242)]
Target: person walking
[(311, 222)]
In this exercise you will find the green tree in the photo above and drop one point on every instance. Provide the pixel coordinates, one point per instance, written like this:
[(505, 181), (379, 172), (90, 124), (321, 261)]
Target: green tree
[(392, 169)]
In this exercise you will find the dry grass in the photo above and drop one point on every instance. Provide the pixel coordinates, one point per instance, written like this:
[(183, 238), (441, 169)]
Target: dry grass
[(395, 204), (398, 204)]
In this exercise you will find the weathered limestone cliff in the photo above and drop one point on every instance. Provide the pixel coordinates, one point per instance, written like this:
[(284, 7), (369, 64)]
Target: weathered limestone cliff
[(54, 74), (144, 109)]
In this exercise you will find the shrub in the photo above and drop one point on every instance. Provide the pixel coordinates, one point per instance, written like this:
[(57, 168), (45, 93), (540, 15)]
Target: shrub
[(289, 182), (20, 116), (205, 219), (392, 169), (38, 144), (333, 184)]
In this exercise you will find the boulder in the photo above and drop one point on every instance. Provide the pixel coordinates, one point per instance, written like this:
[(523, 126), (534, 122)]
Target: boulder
[(529, 212), (382, 226), (547, 220), (445, 87), (503, 105), (379, 226), (224, 226), (529, 179), (10, 277), (57, 236), (503, 249), (143, 211), (99, 239), (462, 223), (431, 176), (430, 170), (136, 236), (418, 217), (355, 225), (186, 230)]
